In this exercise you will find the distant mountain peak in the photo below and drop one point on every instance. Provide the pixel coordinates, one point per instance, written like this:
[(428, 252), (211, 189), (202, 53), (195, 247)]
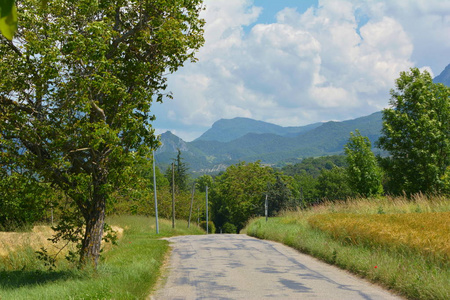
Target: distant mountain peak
[(171, 143), (239, 122), (168, 133), (227, 130), (444, 77)]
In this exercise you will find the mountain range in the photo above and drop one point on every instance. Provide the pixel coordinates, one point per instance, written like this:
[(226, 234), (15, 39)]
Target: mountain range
[(230, 141)]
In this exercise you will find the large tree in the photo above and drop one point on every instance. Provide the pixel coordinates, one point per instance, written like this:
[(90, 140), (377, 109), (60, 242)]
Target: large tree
[(364, 174), (239, 193), (333, 184), (204, 181), (279, 195), (416, 132), (76, 86)]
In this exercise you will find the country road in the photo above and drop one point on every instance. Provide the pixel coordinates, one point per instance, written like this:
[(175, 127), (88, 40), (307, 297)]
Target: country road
[(241, 267)]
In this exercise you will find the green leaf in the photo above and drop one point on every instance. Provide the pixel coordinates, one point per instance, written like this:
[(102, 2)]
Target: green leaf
[(44, 4), (8, 21), (6, 7)]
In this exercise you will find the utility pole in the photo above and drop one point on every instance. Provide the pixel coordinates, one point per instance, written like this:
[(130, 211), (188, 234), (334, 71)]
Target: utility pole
[(303, 199), (192, 202), (173, 195), (154, 192), (207, 210), (266, 208)]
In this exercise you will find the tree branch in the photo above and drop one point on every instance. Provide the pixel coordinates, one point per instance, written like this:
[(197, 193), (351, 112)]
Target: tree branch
[(98, 110), (81, 149), (117, 19), (126, 35), (18, 107), (13, 47)]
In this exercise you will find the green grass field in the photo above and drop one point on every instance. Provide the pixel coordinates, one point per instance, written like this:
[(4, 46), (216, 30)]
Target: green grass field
[(399, 244), (126, 271)]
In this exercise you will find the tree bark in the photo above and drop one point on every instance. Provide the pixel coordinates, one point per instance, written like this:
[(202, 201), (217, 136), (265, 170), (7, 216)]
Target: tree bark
[(95, 220)]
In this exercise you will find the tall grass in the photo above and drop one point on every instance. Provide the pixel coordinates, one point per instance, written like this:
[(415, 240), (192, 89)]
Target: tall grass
[(426, 233), (345, 234), (126, 271)]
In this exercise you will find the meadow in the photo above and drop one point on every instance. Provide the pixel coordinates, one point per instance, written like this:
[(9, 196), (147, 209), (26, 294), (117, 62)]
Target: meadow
[(128, 270), (401, 244)]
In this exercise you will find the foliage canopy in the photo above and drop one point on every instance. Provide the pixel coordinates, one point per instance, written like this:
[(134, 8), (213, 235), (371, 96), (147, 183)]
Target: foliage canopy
[(239, 193), (76, 101), (416, 132), (364, 174)]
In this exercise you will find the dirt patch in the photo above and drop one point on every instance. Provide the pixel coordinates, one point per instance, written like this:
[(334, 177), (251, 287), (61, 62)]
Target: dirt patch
[(38, 238)]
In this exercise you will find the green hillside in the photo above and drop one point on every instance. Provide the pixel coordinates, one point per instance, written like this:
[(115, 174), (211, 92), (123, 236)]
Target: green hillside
[(227, 130), (315, 140)]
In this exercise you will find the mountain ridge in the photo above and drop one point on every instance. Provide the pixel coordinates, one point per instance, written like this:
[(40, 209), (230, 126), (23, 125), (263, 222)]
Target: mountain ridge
[(317, 139), (227, 130)]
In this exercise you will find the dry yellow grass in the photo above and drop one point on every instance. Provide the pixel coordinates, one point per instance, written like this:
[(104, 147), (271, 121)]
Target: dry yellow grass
[(38, 238), (387, 204), (428, 233)]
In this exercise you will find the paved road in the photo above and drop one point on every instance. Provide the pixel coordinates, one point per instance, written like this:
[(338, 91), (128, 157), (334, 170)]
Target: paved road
[(241, 267)]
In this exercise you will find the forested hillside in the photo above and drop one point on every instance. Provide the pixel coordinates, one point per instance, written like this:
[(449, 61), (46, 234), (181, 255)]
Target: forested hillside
[(226, 130), (210, 151)]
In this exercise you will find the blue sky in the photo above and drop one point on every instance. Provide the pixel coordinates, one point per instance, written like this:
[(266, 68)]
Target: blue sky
[(293, 63), (271, 7)]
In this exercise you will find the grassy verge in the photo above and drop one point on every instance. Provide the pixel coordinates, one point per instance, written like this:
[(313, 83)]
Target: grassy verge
[(412, 268), (127, 271)]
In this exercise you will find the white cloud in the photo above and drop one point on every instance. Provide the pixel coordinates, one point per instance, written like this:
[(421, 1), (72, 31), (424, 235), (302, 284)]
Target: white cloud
[(331, 97), (323, 64), (225, 20), (427, 24)]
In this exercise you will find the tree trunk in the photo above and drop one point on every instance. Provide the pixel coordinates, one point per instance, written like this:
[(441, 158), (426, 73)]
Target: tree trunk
[(91, 245)]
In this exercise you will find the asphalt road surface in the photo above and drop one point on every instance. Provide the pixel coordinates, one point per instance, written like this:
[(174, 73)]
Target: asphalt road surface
[(220, 266)]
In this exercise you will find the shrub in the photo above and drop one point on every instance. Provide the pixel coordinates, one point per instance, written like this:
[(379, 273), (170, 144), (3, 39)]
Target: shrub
[(229, 228), (211, 226)]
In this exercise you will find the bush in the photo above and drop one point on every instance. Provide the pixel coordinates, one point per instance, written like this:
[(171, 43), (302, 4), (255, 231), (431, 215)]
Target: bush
[(229, 228), (211, 226)]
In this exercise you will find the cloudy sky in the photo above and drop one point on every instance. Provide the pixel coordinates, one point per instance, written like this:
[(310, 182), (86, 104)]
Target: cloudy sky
[(296, 62)]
